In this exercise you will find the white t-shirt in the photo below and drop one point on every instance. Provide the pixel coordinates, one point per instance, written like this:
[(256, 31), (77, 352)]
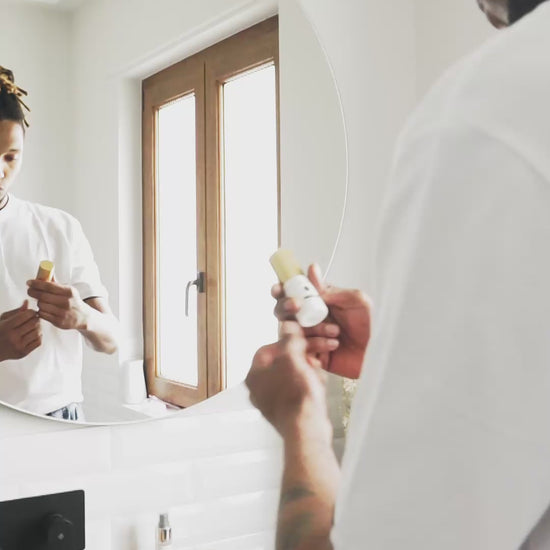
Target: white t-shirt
[(449, 443), (50, 376)]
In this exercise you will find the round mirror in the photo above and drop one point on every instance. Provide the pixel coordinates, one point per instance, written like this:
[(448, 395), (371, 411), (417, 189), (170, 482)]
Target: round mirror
[(168, 156)]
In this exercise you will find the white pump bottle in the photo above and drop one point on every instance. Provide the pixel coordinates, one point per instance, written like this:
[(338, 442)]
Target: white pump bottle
[(296, 285)]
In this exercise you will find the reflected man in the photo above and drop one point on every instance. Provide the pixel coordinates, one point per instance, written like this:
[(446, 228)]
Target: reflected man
[(42, 323)]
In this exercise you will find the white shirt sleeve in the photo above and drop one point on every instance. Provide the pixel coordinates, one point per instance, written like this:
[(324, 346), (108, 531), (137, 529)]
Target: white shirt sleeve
[(449, 445), (85, 275)]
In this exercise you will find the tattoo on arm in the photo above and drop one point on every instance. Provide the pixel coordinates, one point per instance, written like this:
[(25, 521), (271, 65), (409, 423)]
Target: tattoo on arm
[(292, 533), (294, 493), (293, 530)]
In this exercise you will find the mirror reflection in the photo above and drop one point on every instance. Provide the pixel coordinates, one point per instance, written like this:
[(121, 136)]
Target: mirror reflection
[(153, 179)]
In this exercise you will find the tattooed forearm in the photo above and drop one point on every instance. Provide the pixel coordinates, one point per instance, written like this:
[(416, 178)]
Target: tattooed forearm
[(308, 493), (293, 532), (293, 494)]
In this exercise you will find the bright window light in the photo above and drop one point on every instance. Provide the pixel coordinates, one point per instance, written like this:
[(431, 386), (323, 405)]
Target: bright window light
[(251, 216)]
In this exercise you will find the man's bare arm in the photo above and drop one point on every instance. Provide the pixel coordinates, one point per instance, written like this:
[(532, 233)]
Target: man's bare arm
[(62, 306), (102, 328), (310, 481)]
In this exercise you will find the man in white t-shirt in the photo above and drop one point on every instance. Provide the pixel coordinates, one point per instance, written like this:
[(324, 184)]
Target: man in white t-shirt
[(449, 442), (42, 323)]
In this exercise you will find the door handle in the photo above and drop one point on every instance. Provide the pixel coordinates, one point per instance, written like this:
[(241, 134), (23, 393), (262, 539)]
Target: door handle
[(199, 283)]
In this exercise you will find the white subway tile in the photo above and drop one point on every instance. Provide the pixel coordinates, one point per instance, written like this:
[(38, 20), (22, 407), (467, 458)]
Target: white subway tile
[(238, 473), (139, 491), (135, 532), (255, 541), (207, 522), (178, 438), (16, 424), (55, 455), (127, 492), (216, 473), (98, 534)]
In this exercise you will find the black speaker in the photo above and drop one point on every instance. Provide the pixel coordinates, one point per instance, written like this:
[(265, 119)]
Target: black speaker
[(49, 522)]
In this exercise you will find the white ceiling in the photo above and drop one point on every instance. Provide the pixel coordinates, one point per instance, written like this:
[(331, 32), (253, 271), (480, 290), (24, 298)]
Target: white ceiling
[(64, 5)]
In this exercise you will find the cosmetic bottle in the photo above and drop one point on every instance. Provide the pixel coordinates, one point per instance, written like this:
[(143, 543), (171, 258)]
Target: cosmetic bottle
[(45, 271), (164, 533), (296, 285)]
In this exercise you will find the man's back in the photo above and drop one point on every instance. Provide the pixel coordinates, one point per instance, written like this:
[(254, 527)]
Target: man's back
[(449, 444)]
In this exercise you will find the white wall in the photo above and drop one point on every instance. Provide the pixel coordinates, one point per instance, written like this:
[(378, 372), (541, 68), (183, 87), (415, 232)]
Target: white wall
[(313, 156), (45, 72), (372, 47), (446, 30), (216, 471)]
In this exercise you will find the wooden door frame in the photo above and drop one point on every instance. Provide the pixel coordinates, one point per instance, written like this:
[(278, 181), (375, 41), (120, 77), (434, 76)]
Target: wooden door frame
[(169, 85)]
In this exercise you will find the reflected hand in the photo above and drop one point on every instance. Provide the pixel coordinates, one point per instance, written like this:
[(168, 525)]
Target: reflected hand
[(339, 343), (20, 332), (286, 388), (59, 304)]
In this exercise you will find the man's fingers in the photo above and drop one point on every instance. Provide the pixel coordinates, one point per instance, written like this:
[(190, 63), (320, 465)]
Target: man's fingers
[(49, 298), (346, 299), (337, 297), (20, 318), (286, 309), (30, 338), (292, 342), (12, 312), (277, 291), (265, 355), (50, 287), (290, 328), (292, 339), (32, 325), (49, 317), (8, 314), (45, 307), (263, 359), (316, 277), (326, 330), (31, 346), (334, 296), (324, 358), (321, 345), (314, 362)]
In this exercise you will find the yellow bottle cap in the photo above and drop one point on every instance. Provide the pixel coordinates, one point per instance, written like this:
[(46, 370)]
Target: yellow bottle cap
[(285, 265), (45, 271)]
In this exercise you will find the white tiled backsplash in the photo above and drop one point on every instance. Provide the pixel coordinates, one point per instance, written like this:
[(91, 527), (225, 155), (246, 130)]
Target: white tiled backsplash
[(216, 471)]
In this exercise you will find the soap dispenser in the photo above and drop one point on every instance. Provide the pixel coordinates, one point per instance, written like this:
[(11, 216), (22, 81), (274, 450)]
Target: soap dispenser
[(164, 533)]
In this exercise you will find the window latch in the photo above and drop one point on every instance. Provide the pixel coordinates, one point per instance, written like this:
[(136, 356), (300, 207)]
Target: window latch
[(199, 283)]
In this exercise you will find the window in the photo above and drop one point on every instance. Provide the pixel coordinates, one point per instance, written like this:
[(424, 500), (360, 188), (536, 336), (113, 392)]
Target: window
[(210, 214)]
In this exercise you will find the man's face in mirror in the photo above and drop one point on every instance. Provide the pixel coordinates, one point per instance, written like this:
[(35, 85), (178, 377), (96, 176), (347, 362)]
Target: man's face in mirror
[(11, 153)]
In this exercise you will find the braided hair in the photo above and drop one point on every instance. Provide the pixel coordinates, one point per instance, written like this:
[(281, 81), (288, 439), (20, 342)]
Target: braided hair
[(12, 106)]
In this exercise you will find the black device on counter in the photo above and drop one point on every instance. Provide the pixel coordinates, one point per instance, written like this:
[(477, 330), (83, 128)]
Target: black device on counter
[(48, 522)]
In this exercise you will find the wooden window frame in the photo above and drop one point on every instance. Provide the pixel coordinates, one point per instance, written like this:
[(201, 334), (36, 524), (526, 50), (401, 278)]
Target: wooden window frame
[(204, 74)]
